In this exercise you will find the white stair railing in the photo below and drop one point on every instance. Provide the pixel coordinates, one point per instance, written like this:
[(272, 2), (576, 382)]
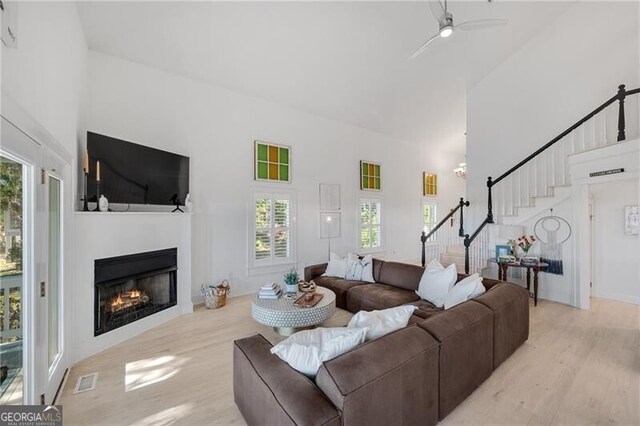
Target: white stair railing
[(444, 237)]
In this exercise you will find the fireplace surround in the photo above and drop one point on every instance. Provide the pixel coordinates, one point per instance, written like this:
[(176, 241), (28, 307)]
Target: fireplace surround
[(132, 287)]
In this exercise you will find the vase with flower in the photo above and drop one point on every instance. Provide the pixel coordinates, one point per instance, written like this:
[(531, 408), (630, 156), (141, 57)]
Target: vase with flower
[(525, 243)]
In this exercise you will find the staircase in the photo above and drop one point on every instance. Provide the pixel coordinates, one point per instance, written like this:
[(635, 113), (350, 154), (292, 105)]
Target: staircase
[(541, 180), (453, 254)]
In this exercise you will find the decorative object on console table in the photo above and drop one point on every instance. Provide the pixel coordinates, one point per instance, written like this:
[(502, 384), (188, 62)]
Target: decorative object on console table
[(525, 243), (215, 297), (552, 231), (502, 250), (291, 280)]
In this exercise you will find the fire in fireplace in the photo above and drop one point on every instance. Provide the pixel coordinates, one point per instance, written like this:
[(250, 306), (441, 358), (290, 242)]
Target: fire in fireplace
[(127, 299), (129, 288)]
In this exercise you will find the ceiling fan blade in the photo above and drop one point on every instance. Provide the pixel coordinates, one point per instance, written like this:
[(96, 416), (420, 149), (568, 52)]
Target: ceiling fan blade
[(422, 48), (437, 9), (481, 24)]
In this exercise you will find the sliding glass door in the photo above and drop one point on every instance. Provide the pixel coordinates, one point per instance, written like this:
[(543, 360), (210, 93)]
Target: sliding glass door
[(55, 270), (34, 337)]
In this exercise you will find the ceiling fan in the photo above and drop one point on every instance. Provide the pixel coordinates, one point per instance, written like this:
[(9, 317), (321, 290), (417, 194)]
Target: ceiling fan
[(447, 27)]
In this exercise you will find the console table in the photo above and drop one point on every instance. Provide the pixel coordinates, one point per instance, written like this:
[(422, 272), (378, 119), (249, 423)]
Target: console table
[(535, 267)]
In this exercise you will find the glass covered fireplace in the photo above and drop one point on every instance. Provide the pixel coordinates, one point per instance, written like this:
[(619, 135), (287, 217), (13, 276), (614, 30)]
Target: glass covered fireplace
[(128, 288)]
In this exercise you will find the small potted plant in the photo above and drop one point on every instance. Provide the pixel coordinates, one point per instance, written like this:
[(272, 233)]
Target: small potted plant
[(291, 279)]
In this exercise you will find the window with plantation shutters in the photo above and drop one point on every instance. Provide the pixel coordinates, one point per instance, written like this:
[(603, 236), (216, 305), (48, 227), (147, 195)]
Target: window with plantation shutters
[(370, 224), (273, 232), (429, 217)]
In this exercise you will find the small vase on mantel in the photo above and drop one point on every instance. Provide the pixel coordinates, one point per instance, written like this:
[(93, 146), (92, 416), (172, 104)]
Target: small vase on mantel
[(103, 204)]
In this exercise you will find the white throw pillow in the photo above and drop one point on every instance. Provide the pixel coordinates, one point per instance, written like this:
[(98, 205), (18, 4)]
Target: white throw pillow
[(466, 289), (436, 282), (435, 265), (306, 350), (360, 269), (379, 323), (337, 266)]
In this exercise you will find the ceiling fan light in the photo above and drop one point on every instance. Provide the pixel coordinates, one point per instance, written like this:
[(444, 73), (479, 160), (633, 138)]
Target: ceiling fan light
[(446, 31)]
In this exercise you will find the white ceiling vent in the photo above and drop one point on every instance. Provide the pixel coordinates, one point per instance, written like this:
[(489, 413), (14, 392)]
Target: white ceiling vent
[(86, 383)]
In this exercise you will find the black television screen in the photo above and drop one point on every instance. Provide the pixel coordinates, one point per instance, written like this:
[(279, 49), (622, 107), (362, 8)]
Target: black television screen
[(136, 174)]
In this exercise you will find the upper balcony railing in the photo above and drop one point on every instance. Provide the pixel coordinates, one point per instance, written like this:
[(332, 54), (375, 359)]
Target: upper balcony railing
[(11, 296)]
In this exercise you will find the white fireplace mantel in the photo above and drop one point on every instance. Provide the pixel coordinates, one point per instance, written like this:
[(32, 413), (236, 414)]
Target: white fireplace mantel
[(102, 235)]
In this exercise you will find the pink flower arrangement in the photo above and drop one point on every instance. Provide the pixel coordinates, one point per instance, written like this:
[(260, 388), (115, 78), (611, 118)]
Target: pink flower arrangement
[(525, 243)]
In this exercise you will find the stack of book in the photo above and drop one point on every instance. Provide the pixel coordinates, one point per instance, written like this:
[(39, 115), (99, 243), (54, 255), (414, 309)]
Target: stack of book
[(270, 291)]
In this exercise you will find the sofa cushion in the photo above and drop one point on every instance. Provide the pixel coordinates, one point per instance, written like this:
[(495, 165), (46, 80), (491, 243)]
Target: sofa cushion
[(381, 323), (311, 272), (436, 282), (464, 290), (388, 381), (369, 297), (465, 333), (377, 267), (337, 266), (425, 309), (401, 275), (510, 306), (306, 350), (268, 391), (359, 268), (339, 287)]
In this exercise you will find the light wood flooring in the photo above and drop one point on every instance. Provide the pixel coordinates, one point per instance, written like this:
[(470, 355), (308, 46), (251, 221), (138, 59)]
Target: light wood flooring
[(578, 367)]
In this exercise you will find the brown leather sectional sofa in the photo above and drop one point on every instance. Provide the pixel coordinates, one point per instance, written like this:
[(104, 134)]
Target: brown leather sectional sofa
[(414, 376)]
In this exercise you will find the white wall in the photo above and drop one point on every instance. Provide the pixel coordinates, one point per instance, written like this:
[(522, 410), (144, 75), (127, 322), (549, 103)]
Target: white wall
[(216, 128), (616, 273), (568, 69), (45, 74)]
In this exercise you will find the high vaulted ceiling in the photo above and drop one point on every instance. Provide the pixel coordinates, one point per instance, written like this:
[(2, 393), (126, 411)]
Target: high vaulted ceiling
[(340, 60)]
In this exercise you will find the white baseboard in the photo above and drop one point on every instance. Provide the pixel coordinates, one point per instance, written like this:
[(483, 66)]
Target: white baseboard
[(617, 296)]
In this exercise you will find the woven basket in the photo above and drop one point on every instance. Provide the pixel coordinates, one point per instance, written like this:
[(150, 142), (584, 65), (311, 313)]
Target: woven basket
[(216, 297)]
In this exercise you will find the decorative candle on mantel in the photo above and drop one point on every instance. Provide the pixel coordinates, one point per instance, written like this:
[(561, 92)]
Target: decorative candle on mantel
[(85, 162), (98, 171)]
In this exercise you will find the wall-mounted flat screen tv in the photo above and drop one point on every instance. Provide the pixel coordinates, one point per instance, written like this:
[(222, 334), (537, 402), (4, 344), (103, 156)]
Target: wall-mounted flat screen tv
[(136, 174)]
